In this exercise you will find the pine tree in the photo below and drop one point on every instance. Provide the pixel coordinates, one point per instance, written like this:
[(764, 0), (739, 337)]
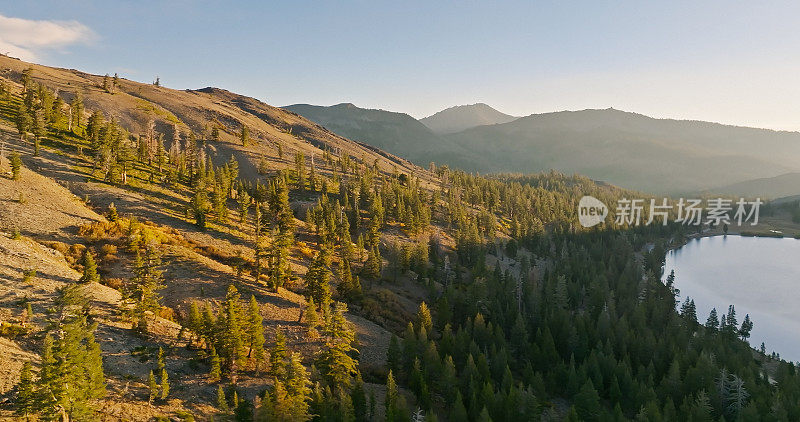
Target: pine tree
[(46, 389), (200, 205), (194, 321), (391, 402), (25, 403), (277, 355), (232, 342), (71, 378), (89, 268), (300, 170), (311, 319), (23, 121), (746, 328), (140, 294), (335, 361), (458, 412), (292, 395), (164, 384), (16, 166), (731, 323), (215, 373), (76, 113), (318, 278), (712, 323), (38, 129), (244, 135), (222, 401), (280, 271), (112, 214), (372, 268), (587, 402), (244, 204), (689, 312), (424, 317), (153, 387), (358, 397), (255, 333), (107, 83)]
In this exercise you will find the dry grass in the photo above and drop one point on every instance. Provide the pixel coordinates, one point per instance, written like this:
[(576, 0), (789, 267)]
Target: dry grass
[(198, 265)]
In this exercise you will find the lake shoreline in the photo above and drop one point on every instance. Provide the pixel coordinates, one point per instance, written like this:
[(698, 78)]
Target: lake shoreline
[(755, 275), (673, 245)]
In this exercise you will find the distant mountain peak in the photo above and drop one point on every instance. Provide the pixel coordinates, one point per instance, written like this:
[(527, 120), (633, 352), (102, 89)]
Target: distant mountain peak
[(463, 117)]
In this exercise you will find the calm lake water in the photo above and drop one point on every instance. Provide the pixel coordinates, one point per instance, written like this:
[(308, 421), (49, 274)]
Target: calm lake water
[(759, 276)]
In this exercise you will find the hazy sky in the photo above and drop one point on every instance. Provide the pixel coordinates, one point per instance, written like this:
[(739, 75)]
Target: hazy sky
[(727, 61)]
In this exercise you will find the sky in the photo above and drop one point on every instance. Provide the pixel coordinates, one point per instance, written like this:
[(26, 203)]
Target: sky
[(731, 62)]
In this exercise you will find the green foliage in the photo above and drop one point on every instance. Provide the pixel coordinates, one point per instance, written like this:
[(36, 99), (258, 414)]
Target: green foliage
[(289, 400), (28, 275), (200, 205), (164, 384), (16, 166), (255, 333), (89, 268), (244, 135), (71, 377), (216, 366), (230, 333), (424, 317), (335, 361), (393, 402), (277, 355), (222, 401), (318, 278), (141, 294), (25, 403), (311, 319), (152, 386), (280, 271), (112, 215)]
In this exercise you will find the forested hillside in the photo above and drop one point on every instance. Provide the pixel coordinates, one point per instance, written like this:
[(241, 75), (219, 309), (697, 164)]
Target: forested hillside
[(622, 148), (397, 133), (200, 255)]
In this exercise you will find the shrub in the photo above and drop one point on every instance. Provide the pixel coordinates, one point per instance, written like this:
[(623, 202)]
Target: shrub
[(114, 283), (75, 254), (108, 252), (167, 313), (16, 166), (28, 275), (305, 250), (102, 230), (12, 331), (61, 247)]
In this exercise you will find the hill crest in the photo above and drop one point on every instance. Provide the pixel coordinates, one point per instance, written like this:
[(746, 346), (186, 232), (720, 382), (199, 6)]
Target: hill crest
[(463, 117)]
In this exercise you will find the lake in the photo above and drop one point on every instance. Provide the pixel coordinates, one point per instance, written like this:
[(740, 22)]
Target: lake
[(760, 276)]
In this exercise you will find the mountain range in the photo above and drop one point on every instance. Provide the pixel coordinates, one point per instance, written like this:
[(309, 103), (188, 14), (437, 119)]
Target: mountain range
[(623, 148), (458, 118)]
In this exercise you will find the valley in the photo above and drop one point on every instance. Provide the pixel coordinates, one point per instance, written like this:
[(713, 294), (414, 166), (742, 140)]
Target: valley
[(201, 255)]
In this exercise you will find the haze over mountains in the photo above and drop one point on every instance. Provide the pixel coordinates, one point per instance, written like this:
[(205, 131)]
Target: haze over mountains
[(782, 186), (397, 133), (458, 118), (623, 148)]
